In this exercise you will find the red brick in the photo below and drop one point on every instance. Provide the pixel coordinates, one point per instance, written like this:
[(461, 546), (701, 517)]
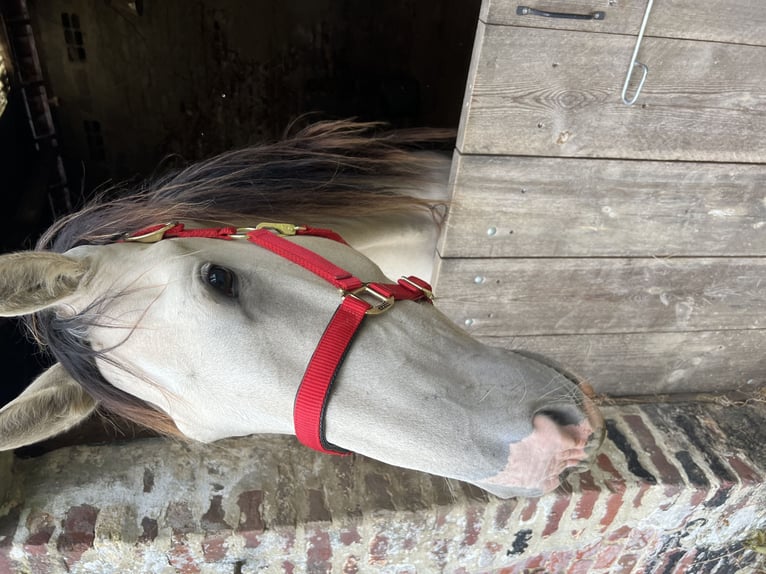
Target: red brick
[(616, 486), (640, 539), (642, 488), (535, 562), (670, 560), (319, 552), (250, 522), (213, 519), (6, 564), (683, 565), (41, 526), (625, 564), (746, 473), (79, 532), (379, 550), (588, 553), (214, 548), (411, 541), (607, 556), (351, 566), (699, 496), (249, 503), (557, 513), (589, 494), (288, 567), (558, 561), (349, 536), (669, 474), (181, 559), (473, 520), (620, 534), (580, 567), (503, 514), (529, 510), (514, 569)]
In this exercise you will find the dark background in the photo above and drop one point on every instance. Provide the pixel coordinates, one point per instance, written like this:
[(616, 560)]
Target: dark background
[(102, 91)]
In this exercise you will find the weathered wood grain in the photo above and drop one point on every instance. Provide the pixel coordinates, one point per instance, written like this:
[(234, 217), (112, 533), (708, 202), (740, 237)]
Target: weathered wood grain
[(652, 363), (501, 297), (506, 206), (557, 93), (732, 21)]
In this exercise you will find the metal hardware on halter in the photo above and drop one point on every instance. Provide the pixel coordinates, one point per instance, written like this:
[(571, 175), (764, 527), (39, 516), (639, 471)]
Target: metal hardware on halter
[(384, 302), (526, 10), (285, 229), (359, 299), (152, 236), (281, 228), (425, 290)]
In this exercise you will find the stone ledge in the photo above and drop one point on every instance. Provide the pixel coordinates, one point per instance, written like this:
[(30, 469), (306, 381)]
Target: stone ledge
[(676, 488)]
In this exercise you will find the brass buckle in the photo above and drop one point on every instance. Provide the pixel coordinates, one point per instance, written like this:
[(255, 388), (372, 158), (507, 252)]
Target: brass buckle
[(280, 228), (382, 302), (283, 229), (152, 236)]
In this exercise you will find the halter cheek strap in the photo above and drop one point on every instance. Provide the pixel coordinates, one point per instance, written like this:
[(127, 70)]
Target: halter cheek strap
[(358, 300)]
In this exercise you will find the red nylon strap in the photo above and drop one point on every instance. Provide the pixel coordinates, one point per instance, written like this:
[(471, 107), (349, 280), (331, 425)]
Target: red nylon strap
[(178, 230), (314, 392), (315, 388), (306, 258)]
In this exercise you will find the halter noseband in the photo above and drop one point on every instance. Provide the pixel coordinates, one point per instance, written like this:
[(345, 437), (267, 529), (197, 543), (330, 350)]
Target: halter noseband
[(358, 299)]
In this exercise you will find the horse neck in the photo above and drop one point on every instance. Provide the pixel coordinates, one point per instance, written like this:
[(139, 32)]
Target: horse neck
[(402, 243), (398, 244)]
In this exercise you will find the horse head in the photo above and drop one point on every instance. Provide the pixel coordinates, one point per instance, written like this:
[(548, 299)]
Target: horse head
[(216, 335)]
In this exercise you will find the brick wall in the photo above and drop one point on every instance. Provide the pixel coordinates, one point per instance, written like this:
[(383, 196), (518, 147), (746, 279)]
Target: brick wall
[(676, 488)]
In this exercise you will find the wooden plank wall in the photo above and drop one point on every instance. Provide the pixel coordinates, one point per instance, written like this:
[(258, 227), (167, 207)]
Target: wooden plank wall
[(626, 242)]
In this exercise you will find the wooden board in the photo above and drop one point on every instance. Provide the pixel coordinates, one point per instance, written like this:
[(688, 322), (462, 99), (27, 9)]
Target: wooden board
[(542, 207), (501, 297), (557, 93), (627, 243), (733, 21), (650, 363)]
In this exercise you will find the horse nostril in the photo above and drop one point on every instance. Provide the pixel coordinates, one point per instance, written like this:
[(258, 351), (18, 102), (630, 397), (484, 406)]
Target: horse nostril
[(564, 416)]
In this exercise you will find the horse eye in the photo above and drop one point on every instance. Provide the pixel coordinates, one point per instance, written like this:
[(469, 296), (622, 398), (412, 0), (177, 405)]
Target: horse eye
[(221, 279)]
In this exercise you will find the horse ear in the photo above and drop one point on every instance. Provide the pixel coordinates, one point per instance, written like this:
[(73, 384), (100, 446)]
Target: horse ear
[(33, 280), (52, 404)]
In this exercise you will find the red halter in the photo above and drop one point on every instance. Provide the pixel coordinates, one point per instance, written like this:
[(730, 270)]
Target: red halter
[(359, 299)]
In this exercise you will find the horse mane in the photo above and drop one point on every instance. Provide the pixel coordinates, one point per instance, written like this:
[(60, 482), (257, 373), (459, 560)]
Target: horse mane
[(331, 169), (328, 169)]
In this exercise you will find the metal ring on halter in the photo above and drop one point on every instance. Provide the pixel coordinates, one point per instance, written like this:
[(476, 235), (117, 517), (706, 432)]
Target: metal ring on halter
[(382, 302)]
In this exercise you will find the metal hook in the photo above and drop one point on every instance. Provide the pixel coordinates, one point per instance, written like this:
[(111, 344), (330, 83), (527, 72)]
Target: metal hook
[(634, 63)]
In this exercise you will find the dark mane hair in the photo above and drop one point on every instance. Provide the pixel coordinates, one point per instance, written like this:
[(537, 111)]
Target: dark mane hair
[(328, 169)]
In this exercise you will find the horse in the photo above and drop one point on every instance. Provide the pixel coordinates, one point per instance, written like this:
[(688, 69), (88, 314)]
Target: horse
[(202, 337)]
